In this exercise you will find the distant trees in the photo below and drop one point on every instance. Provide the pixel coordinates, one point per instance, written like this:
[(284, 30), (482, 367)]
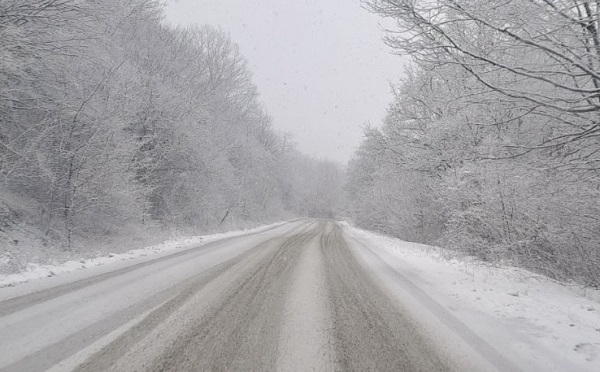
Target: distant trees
[(315, 186), (109, 119), (491, 142)]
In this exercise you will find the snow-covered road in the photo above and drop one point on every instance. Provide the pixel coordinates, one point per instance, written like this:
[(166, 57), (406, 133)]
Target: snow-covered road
[(305, 295)]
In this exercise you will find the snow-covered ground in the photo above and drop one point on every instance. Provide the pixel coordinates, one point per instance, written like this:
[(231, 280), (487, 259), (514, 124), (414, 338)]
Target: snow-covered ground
[(36, 271), (530, 321), (535, 323)]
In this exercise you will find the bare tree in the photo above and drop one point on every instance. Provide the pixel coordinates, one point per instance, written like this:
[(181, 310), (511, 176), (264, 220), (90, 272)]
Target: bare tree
[(539, 55)]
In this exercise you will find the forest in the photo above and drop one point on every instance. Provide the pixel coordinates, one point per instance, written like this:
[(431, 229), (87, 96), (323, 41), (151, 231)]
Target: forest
[(113, 123), (491, 144)]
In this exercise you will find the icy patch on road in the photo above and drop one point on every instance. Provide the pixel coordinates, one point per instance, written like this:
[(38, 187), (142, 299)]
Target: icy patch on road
[(37, 271), (537, 322)]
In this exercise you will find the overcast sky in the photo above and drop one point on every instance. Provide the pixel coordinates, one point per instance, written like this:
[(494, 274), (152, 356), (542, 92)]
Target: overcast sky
[(320, 65)]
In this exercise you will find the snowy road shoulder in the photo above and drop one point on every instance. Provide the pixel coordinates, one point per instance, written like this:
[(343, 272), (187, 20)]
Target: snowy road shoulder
[(93, 266), (533, 322)]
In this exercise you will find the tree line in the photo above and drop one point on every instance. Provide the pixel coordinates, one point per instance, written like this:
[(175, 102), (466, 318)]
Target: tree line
[(491, 144), (111, 119)]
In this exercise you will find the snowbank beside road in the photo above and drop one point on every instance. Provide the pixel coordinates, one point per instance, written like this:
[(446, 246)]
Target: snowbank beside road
[(534, 322), (36, 271)]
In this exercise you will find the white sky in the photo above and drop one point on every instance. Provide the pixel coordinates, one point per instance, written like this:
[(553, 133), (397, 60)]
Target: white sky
[(320, 65)]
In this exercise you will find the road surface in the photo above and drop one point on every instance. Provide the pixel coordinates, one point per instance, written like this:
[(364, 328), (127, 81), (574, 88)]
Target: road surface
[(294, 298)]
